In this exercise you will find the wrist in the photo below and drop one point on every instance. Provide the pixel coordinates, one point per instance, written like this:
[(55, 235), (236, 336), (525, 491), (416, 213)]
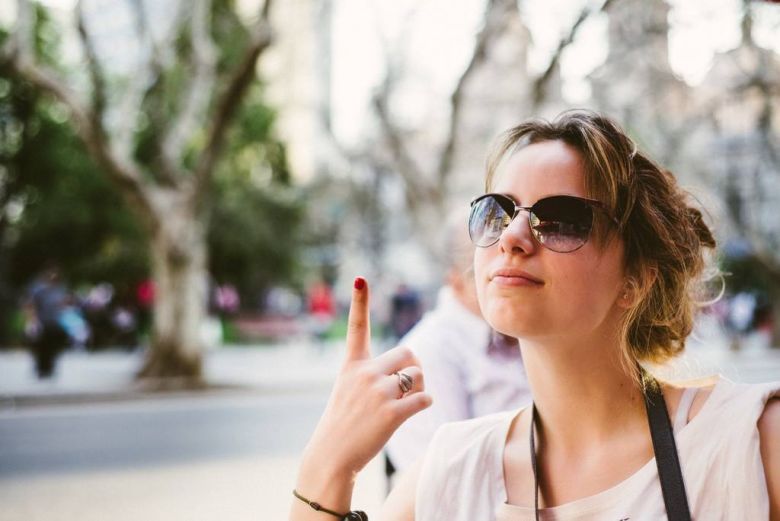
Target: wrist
[(352, 515), (321, 465), (316, 477), (326, 484)]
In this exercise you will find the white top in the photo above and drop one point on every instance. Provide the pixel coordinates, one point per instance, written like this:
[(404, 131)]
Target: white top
[(462, 477), (465, 376)]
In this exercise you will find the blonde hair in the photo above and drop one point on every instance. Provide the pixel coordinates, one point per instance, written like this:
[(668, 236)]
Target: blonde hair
[(665, 237)]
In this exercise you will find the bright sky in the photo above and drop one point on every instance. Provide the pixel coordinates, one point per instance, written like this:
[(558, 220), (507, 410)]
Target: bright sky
[(437, 40), (434, 39)]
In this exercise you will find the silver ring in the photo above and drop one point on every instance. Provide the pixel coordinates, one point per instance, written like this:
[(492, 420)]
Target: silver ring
[(405, 382)]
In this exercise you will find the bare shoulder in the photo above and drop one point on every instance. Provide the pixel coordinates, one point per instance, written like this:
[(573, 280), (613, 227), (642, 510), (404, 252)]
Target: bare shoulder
[(769, 435), (769, 422), (769, 431)]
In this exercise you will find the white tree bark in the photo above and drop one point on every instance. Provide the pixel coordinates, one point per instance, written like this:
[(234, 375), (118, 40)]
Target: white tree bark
[(173, 202), (179, 267)]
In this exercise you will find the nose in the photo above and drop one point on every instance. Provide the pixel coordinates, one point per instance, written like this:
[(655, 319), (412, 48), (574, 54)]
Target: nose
[(517, 237)]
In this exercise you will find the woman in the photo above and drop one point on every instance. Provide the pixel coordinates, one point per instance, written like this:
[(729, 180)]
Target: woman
[(590, 255)]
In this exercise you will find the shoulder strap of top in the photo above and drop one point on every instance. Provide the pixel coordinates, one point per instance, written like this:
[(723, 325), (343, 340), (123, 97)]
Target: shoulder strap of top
[(684, 408), (665, 448)]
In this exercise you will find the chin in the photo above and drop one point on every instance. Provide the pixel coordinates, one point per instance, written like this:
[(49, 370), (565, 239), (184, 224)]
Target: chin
[(512, 324)]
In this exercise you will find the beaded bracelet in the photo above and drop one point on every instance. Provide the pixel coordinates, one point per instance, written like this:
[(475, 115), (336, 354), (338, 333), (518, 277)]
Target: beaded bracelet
[(352, 515)]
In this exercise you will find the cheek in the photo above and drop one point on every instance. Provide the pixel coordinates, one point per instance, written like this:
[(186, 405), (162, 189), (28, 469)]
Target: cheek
[(586, 290), (482, 257)]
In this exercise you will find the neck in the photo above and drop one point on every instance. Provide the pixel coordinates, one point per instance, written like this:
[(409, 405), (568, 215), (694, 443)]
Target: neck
[(582, 392)]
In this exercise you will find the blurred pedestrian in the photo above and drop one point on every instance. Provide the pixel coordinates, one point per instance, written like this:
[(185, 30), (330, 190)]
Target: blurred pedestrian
[(470, 370), (740, 318), (124, 323), (45, 301), (96, 307), (144, 301), (71, 320), (322, 309), (405, 310), (226, 299)]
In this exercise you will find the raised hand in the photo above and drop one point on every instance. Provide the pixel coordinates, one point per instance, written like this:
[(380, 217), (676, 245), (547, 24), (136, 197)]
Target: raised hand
[(367, 403)]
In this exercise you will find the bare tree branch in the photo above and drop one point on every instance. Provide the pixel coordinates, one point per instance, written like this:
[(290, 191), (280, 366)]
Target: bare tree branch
[(147, 86), (228, 102), (417, 185), (129, 108), (95, 73), (495, 18), (540, 84), (418, 189), (24, 37), (204, 57), (21, 61), (422, 190), (265, 11), (130, 103), (123, 173), (770, 94), (157, 60)]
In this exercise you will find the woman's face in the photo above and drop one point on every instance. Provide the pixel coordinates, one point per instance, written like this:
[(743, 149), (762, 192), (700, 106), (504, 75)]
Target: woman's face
[(578, 292)]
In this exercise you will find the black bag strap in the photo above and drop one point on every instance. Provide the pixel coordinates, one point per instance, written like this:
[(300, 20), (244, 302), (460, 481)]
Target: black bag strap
[(666, 458)]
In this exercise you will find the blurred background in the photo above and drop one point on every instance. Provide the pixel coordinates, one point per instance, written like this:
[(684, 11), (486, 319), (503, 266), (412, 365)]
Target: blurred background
[(187, 190)]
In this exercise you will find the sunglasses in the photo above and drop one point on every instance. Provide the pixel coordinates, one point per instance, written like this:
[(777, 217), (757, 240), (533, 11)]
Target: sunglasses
[(561, 223)]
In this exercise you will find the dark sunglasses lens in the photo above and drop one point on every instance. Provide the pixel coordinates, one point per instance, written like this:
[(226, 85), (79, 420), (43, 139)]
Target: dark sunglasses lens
[(486, 222), (562, 223)]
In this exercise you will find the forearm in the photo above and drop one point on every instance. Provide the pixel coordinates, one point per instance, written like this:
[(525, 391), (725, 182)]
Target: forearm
[(330, 488)]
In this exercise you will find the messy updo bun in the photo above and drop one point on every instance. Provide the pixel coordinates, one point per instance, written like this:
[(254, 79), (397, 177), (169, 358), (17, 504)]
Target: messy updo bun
[(666, 239)]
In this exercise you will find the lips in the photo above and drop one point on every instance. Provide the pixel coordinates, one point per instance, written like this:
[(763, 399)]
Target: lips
[(514, 275)]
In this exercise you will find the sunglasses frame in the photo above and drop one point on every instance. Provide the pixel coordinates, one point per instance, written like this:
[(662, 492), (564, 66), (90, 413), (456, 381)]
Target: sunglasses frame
[(516, 209)]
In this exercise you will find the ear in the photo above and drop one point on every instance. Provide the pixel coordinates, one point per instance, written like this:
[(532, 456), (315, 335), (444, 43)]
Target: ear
[(635, 289), (627, 294)]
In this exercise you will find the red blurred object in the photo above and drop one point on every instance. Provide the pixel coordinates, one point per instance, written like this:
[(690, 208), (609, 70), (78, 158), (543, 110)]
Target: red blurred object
[(145, 294), (321, 300)]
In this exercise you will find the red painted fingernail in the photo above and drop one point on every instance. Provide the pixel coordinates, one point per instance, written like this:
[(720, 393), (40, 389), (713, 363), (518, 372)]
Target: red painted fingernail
[(360, 283)]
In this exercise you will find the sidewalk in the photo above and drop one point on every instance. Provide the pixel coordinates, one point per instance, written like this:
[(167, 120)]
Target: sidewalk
[(303, 366), (109, 375), (250, 488)]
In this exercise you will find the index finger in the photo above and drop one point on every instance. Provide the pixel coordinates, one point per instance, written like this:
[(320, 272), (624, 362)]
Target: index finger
[(358, 325)]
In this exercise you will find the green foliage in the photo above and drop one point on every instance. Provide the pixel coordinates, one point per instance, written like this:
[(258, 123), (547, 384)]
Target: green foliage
[(56, 204), (70, 212), (745, 273), (165, 98), (229, 33), (257, 215)]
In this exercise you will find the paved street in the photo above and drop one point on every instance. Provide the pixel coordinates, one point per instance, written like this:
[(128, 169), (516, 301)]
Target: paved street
[(229, 454), (181, 458), (88, 438)]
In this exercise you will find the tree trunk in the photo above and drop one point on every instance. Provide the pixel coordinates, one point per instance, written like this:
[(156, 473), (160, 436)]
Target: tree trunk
[(181, 297), (772, 271), (774, 296)]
